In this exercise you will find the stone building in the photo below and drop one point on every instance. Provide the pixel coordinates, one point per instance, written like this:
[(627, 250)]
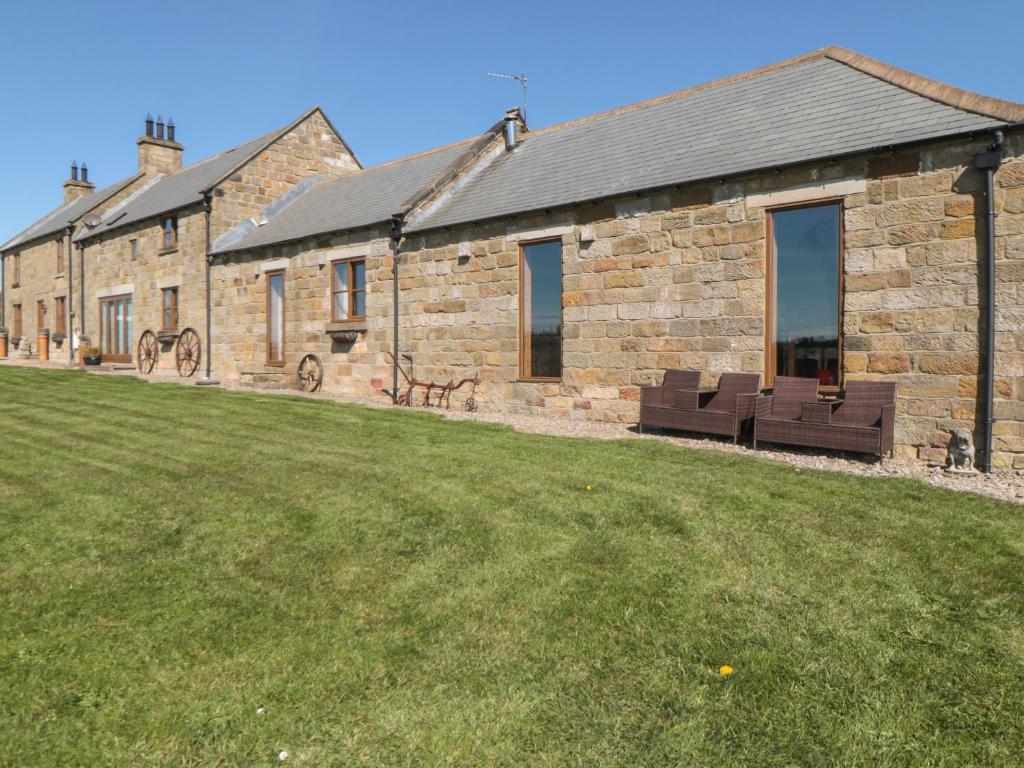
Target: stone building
[(824, 216)]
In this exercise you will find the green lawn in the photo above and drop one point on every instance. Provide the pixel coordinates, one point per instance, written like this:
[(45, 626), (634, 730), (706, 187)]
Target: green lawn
[(395, 589)]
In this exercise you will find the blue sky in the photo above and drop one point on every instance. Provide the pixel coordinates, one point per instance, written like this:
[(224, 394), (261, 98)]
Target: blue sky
[(397, 77)]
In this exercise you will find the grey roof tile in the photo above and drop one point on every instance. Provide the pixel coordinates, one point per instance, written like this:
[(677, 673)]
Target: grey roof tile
[(177, 190), (814, 108), (360, 199), (55, 221)]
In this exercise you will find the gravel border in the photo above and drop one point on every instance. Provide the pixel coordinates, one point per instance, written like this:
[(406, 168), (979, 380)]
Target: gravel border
[(1006, 485)]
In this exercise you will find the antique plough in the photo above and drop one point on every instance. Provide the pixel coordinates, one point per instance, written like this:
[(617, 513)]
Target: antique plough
[(434, 394)]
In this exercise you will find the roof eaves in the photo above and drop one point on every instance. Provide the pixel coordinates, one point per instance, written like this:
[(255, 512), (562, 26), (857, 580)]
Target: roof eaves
[(950, 95)]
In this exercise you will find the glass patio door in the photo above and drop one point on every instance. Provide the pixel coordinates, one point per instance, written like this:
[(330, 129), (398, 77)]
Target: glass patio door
[(116, 329)]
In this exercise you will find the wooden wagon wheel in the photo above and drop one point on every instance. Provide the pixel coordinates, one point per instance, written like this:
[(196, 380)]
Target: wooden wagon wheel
[(148, 352), (311, 374), (188, 352)]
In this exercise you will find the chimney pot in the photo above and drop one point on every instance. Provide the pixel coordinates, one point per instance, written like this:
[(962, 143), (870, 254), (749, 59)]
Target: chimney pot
[(74, 171), (149, 125), (85, 173), (159, 127), (511, 129), (170, 129)]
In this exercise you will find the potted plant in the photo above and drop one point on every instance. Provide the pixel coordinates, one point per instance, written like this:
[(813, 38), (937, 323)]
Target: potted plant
[(90, 354)]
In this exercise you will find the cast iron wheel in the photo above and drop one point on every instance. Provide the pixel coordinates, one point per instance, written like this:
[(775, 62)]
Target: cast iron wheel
[(148, 352), (188, 353), (311, 374)]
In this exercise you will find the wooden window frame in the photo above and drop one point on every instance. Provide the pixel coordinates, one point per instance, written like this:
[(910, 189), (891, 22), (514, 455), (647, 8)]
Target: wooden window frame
[(770, 352), (173, 218), (60, 309), (351, 262), (105, 356), (284, 324), (173, 291), (18, 320), (523, 347), (40, 315)]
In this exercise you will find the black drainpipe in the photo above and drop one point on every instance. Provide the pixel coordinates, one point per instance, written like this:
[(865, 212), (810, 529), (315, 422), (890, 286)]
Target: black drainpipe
[(70, 337), (989, 162), (207, 208), (396, 239), (81, 292)]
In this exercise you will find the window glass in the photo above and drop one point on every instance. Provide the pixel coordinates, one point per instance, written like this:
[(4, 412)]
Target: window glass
[(358, 288), (806, 244), (339, 292), (60, 310), (170, 308), (541, 311), (275, 316)]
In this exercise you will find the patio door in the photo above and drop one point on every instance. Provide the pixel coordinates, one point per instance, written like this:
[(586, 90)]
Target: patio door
[(116, 329)]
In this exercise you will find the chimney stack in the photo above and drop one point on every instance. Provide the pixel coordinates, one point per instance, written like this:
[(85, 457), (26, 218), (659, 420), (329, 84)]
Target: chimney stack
[(76, 187), (157, 154)]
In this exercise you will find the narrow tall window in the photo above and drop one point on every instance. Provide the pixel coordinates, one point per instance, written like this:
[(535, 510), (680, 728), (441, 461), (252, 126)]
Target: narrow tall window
[(60, 255), (170, 304), (804, 321), (16, 270), (348, 290), (133, 246), (170, 228), (60, 309), (17, 319), (540, 311), (40, 316), (275, 317)]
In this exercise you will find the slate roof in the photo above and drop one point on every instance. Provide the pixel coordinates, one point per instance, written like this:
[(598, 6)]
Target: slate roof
[(177, 190), (829, 103), (55, 221), (360, 199)]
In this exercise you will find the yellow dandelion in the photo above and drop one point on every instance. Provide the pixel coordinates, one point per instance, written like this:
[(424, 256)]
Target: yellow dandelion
[(589, 488), (725, 670)]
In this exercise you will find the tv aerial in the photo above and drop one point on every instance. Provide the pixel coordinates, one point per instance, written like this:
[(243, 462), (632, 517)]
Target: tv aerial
[(521, 79)]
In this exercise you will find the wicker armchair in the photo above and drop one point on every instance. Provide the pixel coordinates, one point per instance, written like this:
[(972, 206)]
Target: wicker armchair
[(721, 411), (862, 420), (674, 380)]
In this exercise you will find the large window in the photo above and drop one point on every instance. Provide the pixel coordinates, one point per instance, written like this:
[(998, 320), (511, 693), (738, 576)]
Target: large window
[(60, 310), (275, 318), (170, 308), (348, 290), (540, 311), (804, 321), (17, 320), (116, 328)]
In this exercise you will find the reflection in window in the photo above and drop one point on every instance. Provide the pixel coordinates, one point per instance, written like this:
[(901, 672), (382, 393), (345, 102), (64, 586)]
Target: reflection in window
[(806, 244), (348, 290), (275, 317), (540, 291)]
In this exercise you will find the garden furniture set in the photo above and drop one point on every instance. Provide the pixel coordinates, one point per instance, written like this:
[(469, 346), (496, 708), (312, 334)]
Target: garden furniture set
[(861, 418)]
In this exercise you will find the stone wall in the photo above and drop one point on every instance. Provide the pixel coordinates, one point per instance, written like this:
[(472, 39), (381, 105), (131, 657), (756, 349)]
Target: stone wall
[(240, 316), (310, 148), (42, 280), (678, 280), (109, 264)]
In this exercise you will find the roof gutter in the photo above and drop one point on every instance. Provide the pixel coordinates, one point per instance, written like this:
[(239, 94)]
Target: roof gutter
[(989, 162)]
